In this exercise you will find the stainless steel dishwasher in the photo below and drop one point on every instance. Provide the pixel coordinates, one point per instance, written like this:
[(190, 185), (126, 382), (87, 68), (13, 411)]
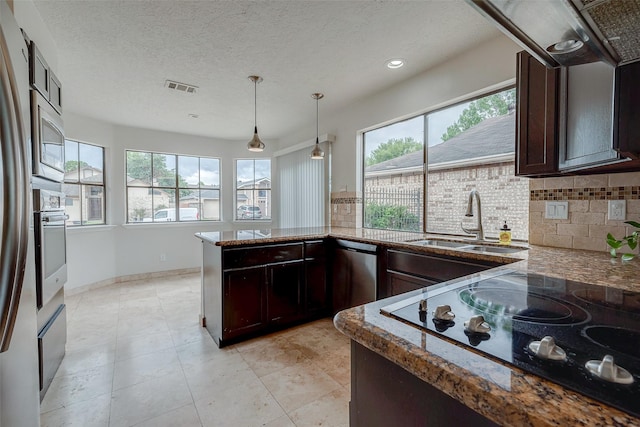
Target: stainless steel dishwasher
[(354, 274)]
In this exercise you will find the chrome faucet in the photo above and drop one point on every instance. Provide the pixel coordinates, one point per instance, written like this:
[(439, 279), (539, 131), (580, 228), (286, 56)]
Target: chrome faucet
[(478, 230)]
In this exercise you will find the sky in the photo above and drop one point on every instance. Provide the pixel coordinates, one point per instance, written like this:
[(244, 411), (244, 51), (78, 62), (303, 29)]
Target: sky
[(438, 124)]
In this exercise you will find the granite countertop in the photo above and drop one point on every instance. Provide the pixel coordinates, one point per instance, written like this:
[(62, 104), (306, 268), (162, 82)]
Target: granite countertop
[(502, 393)]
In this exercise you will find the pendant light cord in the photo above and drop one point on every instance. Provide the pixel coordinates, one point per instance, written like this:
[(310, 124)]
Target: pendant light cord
[(317, 127), (255, 105)]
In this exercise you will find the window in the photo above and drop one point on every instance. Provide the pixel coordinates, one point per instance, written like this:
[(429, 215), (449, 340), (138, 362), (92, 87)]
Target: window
[(469, 146), (84, 183), (169, 187), (253, 189)]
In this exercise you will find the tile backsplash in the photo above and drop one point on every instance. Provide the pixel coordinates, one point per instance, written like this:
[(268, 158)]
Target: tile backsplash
[(346, 209), (588, 197)]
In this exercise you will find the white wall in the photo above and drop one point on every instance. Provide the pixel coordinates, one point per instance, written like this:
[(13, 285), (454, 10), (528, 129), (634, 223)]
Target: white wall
[(483, 66), (123, 250), (96, 254)]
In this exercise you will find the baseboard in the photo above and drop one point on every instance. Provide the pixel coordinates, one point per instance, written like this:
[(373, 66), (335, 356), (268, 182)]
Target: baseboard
[(130, 278)]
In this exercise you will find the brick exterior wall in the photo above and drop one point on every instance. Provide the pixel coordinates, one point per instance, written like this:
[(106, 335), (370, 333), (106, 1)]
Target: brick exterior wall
[(503, 197)]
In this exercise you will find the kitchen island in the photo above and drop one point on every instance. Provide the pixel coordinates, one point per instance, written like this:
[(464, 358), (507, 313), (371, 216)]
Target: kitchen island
[(499, 392)]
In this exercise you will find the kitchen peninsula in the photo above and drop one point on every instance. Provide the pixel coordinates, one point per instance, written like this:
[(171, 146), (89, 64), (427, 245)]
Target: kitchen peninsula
[(498, 391)]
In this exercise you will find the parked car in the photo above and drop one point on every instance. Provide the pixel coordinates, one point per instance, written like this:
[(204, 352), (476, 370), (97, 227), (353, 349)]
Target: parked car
[(249, 212), (186, 214)]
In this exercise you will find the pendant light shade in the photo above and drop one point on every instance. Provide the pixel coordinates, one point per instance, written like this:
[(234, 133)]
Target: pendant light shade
[(317, 153), (255, 145)]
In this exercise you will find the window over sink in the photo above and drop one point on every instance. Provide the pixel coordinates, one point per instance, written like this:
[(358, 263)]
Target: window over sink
[(418, 172)]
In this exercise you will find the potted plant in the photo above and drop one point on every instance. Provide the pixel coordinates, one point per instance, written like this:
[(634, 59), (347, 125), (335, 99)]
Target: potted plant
[(631, 240)]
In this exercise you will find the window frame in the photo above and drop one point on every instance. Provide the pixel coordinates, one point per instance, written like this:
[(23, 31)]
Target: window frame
[(80, 183), (153, 189), (425, 148), (253, 189)]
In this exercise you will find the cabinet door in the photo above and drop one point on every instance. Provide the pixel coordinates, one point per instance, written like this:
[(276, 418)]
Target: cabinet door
[(244, 302), (400, 283), (627, 110), (285, 292), (317, 291), (587, 136), (536, 123)]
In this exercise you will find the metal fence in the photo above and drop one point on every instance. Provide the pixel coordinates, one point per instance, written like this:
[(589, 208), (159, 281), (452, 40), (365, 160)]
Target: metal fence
[(393, 209)]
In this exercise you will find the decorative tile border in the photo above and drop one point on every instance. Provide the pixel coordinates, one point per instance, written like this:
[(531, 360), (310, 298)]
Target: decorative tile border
[(591, 193)]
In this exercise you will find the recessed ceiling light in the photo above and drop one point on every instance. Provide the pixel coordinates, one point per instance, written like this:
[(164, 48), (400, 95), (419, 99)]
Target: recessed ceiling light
[(193, 116), (395, 63), (566, 46)]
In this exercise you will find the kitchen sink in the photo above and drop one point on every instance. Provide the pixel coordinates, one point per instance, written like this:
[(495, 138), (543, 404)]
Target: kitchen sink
[(494, 249), (469, 246), (443, 243)]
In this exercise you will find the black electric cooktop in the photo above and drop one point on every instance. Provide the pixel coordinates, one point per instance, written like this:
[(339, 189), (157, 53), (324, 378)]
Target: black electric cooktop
[(594, 344)]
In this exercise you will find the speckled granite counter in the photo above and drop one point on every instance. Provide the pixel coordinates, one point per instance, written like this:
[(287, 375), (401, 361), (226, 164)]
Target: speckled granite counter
[(496, 390)]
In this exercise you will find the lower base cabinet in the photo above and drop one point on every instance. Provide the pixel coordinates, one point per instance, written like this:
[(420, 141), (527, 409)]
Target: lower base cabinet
[(244, 303), (383, 394), (249, 290)]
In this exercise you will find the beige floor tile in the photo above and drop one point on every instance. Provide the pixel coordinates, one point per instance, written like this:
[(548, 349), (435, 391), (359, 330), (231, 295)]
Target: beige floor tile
[(149, 399), (128, 347), (283, 421), (137, 327), (187, 416), (298, 385), (84, 385), (239, 406), (81, 359), (195, 353), (135, 370), (336, 363), (215, 376), (81, 338), (189, 334), (329, 410), (89, 413), (268, 359)]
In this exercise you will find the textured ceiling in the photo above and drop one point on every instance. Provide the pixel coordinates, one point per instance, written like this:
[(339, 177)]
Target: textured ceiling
[(114, 57)]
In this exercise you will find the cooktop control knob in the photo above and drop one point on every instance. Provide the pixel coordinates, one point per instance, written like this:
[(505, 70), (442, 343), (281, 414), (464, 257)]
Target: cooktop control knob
[(476, 324), (422, 307), (443, 312), (606, 370), (547, 349)]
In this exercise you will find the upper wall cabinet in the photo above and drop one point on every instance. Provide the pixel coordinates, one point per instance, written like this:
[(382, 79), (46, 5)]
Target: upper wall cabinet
[(537, 118), (626, 130), (576, 120)]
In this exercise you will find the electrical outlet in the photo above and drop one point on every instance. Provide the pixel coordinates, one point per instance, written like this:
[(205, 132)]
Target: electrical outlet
[(335, 208), (348, 208), (617, 210), (556, 210), (163, 257)]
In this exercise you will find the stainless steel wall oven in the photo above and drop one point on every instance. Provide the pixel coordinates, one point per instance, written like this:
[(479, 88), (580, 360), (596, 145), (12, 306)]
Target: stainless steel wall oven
[(50, 237)]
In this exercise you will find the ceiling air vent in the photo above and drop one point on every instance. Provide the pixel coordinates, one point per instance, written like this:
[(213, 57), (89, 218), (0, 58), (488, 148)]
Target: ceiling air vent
[(180, 87)]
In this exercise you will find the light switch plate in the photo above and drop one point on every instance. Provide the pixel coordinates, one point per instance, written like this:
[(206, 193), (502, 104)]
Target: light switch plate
[(556, 210), (617, 210)]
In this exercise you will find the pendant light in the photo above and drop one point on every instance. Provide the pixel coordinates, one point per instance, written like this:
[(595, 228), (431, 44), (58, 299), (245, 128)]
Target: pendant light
[(317, 153), (255, 144)]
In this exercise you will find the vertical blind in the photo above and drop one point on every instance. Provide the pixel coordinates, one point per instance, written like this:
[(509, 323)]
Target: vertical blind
[(302, 189)]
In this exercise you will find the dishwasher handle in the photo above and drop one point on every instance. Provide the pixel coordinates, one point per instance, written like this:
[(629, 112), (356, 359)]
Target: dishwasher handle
[(356, 246)]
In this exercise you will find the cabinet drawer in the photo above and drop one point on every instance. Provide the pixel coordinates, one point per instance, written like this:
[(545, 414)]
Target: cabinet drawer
[(260, 255), (432, 267), (314, 249)]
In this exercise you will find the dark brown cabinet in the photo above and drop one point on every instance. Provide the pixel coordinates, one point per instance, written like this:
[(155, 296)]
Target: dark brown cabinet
[(244, 302), (253, 289), (564, 119), (536, 118), (317, 290), (284, 296), (626, 130), (407, 271)]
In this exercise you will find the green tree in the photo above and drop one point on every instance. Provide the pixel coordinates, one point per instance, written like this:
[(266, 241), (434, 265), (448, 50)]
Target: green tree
[(72, 165), (393, 148), (481, 109), (139, 167), (390, 217)]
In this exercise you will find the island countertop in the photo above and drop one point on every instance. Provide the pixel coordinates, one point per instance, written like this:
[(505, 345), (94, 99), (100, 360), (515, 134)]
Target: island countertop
[(500, 392)]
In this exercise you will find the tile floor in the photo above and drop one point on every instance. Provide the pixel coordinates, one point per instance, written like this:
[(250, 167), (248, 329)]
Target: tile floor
[(137, 357)]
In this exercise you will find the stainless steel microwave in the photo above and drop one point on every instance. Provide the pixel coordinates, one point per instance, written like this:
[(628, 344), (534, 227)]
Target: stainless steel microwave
[(48, 139)]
